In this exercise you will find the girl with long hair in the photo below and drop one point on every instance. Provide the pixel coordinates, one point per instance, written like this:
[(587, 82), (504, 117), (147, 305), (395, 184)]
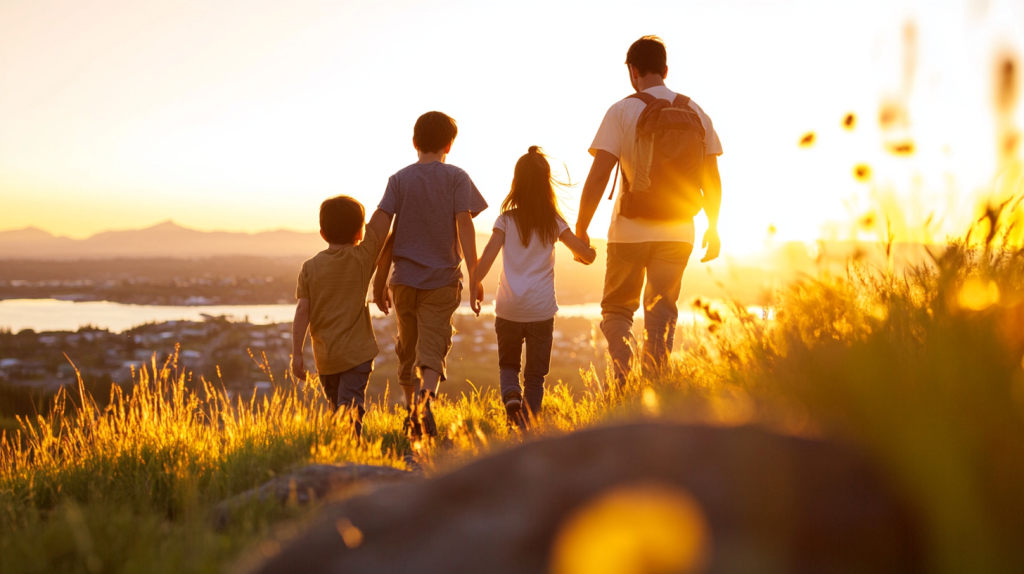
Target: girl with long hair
[(527, 229)]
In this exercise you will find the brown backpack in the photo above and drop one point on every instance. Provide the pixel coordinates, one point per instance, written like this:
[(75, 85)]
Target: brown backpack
[(668, 156)]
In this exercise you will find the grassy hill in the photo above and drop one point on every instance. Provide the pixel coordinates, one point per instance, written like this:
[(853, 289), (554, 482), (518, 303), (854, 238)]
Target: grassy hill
[(920, 368)]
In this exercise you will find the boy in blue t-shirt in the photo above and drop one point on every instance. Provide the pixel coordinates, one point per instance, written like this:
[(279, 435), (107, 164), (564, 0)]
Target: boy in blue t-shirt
[(433, 205)]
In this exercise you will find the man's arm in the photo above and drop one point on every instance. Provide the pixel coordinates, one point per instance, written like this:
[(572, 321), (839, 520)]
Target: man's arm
[(467, 241), (712, 188), (299, 327), (381, 296), (593, 190)]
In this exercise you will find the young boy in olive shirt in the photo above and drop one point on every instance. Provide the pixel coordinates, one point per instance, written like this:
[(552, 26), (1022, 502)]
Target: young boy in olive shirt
[(332, 304)]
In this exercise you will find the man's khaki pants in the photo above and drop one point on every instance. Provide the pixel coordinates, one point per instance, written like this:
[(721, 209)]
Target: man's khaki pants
[(663, 263)]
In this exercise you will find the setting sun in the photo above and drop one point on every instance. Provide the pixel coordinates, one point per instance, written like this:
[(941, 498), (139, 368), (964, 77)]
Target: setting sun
[(242, 117)]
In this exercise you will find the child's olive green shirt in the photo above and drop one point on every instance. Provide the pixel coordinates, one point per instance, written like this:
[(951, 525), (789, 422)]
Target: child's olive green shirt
[(336, 282)]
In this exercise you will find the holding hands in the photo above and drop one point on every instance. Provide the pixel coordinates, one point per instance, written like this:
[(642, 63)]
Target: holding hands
[(584, 238), (382, 296), (579, 244), (476, 295)]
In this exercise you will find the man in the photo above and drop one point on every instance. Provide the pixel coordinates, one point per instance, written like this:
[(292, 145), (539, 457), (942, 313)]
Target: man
[(639, 246)]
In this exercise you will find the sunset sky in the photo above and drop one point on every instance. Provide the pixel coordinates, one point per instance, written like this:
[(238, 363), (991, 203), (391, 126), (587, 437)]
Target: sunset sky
[(244, 115)]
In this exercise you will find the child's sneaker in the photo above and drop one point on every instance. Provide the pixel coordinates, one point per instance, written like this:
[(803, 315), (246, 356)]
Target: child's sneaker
[(426, 414), (514, 410), (411, 426)]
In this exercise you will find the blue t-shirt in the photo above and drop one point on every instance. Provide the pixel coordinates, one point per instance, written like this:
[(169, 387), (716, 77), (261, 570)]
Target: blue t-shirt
[(424, 198)]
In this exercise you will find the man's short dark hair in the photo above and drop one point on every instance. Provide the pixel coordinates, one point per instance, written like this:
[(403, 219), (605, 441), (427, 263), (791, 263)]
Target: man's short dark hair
[(341, 218), (648, 56), (434, 131)]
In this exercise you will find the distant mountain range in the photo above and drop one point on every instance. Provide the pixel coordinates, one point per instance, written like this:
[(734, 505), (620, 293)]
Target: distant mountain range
[(166, 239), (169, 239), (747, 278)]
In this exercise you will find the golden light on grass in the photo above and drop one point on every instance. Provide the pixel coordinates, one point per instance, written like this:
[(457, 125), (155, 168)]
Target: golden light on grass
[(352, 536), (978, 294), (649, 399), (636, 529)]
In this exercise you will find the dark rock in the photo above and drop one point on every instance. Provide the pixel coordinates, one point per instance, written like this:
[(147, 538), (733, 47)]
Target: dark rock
[(314, 482), (771, 504)]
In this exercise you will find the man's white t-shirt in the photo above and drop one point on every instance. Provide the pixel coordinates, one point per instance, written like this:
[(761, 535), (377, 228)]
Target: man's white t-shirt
[(616, 136), (526, 287)]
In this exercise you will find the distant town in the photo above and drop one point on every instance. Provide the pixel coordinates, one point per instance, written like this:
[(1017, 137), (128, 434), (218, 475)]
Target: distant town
[(231, 354)]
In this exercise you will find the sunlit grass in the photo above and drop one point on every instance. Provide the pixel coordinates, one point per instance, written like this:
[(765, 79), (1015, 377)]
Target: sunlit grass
[(921, 368)]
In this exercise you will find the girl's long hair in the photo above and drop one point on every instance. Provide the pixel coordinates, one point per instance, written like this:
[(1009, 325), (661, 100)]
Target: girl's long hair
[(532, 201)]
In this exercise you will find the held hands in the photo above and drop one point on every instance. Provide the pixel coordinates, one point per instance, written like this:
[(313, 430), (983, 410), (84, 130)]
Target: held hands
[(585, 238), (298, 367), (713, 244), (476, 296), (591, 254), (382, 297)]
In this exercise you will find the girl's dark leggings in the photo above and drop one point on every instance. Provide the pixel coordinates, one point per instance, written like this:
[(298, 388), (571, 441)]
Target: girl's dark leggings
[(512, 335)]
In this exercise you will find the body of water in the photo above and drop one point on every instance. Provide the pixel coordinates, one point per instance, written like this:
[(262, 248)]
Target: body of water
[(55, 315)]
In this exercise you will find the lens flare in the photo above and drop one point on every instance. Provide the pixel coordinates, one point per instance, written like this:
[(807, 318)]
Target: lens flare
[(351, 535), (636, 529), (978, 294)]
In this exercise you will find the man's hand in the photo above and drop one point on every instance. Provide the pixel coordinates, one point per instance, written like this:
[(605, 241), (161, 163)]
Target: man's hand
[(298, 368), (585, 238), (592, 254), (476, 296), (382, 297), (713, 244)]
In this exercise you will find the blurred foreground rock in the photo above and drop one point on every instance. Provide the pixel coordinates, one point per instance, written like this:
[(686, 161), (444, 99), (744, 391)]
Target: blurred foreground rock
[(638, 498), (314, 482)]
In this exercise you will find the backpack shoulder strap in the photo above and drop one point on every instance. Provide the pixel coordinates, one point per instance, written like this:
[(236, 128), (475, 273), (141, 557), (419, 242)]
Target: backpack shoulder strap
[(644, 97), (683, 102)]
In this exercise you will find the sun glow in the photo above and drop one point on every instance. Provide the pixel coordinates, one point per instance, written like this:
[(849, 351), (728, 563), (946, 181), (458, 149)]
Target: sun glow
[(244, 117)]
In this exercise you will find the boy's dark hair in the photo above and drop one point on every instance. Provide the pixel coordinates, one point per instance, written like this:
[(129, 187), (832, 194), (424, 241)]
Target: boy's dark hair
[(648, 56), (434, 131), (341, 218)]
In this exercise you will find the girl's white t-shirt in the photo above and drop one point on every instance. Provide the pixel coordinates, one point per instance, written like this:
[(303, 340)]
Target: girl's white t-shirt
[(526, 287)]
